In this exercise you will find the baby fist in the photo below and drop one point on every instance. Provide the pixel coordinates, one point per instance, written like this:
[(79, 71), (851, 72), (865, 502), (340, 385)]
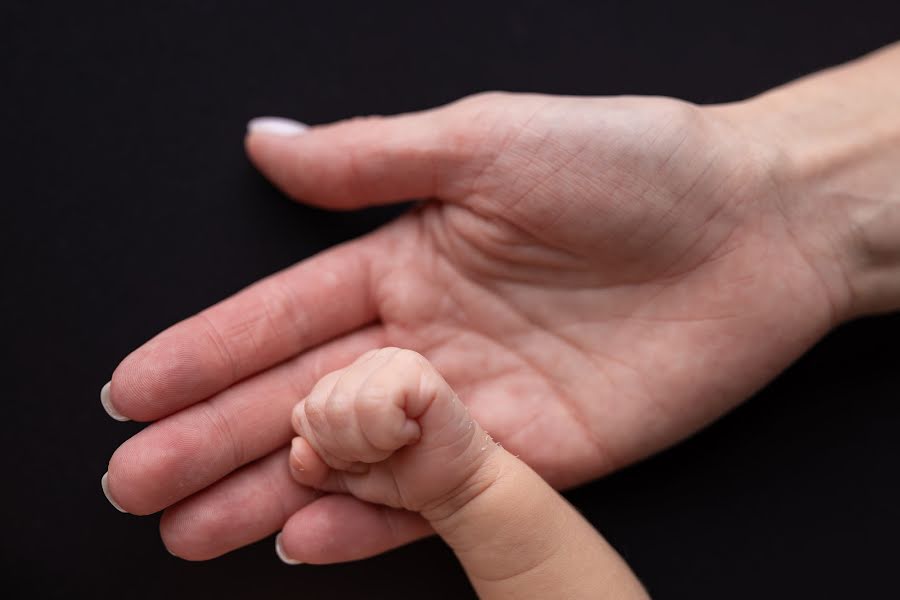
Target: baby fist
[(388, 429)]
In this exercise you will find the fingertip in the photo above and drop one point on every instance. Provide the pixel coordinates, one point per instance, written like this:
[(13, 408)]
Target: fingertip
[(268, 141), (104, 485), (163, 375), (106, 403), (279, 550), (131, 494), (306, 467), (297, 455)]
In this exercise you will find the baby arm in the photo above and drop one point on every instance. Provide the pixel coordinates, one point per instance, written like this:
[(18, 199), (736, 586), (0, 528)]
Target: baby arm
[(389, 430)]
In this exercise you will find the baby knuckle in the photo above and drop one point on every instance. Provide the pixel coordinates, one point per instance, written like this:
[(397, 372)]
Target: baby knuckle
[(338, 410), (324, 385), (373, 398), (387, 352), (297, 417), (431, 384), (409, 359), (314, 409), (368, 355)]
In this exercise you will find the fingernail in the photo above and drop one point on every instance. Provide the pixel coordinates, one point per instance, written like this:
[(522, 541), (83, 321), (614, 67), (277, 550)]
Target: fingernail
[(276, 126), (105, 485), (280, 552), (107, 405)]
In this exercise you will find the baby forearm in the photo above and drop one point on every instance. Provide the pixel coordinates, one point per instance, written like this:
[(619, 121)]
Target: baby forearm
[(517, 538)]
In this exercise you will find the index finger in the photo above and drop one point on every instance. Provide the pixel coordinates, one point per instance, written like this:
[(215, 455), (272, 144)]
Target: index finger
[(267, 322)]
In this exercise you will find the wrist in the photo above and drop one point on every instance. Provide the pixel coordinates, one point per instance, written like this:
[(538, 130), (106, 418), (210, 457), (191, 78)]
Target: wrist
[(836, 170), (449, 515), (492, 512), (517, 538), (502, 524)]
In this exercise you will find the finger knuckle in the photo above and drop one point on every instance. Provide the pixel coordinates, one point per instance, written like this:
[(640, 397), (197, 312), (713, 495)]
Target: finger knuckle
[(387, 351), (339, 409), (223, 428), (374, 398), (297, 417), (409, 360), (314, 410), (368, 355)]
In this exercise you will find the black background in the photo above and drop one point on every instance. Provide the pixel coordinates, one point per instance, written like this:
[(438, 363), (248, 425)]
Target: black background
[(126, 203)]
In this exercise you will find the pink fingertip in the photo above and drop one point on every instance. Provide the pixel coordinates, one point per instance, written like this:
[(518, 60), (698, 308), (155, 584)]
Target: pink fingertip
[(279, 550)]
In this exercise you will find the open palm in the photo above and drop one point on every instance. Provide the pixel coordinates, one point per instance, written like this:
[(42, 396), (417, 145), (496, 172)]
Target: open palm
[(597, 278)]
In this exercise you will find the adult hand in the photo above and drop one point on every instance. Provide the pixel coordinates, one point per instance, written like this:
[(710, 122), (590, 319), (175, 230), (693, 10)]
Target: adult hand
[(597, 277)]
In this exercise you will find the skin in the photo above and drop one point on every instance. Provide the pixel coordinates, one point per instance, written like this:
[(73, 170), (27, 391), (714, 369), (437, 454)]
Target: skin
[(607, 275), (389, 430)]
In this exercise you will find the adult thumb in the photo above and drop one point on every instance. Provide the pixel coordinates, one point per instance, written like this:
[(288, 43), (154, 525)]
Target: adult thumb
[(361, 161)]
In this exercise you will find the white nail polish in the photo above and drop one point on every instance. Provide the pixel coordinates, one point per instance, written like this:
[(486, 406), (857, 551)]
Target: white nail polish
[(107, 405), (280, 552), (276, 126), (104, 484)]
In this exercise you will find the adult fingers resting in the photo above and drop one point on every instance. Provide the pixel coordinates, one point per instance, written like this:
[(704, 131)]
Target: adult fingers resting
[(220, 385)]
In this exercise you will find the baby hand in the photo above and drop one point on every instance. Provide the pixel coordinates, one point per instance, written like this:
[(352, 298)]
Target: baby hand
[(389, 430)]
